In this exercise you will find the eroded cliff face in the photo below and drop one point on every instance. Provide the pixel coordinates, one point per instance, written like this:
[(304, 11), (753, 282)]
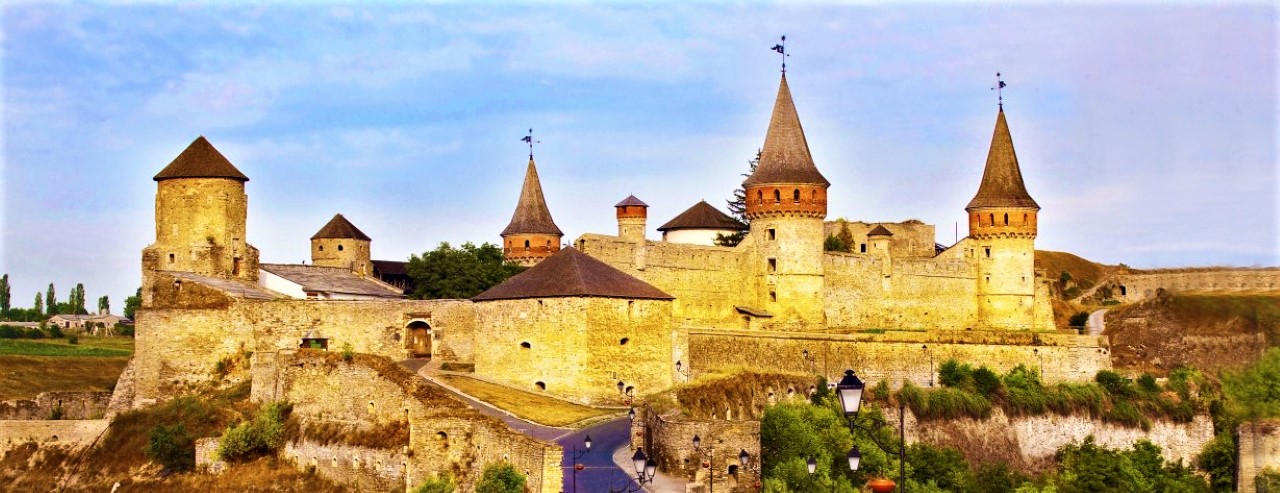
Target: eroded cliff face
[(1210, 332)]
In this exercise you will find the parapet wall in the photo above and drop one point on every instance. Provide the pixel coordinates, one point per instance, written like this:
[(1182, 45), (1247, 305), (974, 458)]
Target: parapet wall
[(1138, 286), (900, 356), (869, 292), (1257, 448), (910, 238)]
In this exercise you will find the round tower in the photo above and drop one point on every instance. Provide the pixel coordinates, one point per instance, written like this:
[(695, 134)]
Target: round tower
[(341, 244), (1002, 225), (201, 209), (632, 214), (531, 235), (786, 201)]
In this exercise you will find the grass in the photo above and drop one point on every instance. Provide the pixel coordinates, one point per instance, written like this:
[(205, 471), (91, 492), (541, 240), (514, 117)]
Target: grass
[(88, 347), (29, 367), (533, 407)]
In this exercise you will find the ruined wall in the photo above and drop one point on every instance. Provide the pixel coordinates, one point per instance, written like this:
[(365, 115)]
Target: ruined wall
[(70, 405), (364, 468), (899, 356), (911, 238), (445, 434), (74, 434), (1257, 448), (577, 348), (1138, 286)]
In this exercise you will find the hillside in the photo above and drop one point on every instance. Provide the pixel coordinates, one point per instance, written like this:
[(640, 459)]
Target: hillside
[(1082, 273), (1206, 331)]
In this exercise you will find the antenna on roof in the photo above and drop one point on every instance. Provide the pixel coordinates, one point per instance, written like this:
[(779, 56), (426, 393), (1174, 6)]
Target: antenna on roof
[(781, 48), (528, 139), (998, 88)]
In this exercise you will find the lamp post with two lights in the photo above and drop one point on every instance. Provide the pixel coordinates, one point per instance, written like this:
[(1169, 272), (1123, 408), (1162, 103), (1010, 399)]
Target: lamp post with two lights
[(849, 391)]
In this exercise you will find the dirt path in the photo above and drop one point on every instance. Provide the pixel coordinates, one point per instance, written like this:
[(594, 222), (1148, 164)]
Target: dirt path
[(1097, 322)]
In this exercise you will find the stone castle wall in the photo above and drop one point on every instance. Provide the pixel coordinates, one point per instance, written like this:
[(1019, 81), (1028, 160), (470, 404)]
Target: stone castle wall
[(899, 356), (1257, 448), (669, 440), (934, 294), (911, 239), (74, 434), (1137, 286), (71, 405)]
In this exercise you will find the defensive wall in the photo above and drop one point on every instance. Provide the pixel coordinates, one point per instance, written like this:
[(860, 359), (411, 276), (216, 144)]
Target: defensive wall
[(1134, 286), (870, 292), (73, 434), (898, 356), (445, 434), (68, 405), (911, 238), (1257, 448)]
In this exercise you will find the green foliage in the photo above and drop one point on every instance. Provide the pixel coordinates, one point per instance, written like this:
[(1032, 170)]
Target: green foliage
[(820, 392), (731, 239), (985, 381), (104, 304), (1254, 391), (500, 478), (791, 433), (11, 332), (833, 244), (944, 403), (738, 204), (132, 303), (1147, 383), (996, 477), (1267, 480), (944, 467), (1090, 468), (442, 483), (57, 413), (1071, 292), (1218, 460), (54, 332), (39, 306), (1079, 319), (73, 340), (348, 352), (1064, 277), (172, 447), (35, 334), (881, 391), (459, 273), (1115, 384), (952, 373), (124, 330), (262, 435), (51, 301), (5, 293)]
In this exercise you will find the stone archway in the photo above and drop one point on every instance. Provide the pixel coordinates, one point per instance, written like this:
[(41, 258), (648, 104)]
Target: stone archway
[(418, 339)]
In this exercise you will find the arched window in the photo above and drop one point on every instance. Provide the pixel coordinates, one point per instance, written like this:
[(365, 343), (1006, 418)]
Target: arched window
[(1006, 219), (760, 196), (795, 196), (339, 248), (548, 244), (526, 245), (992, 218), (1024, 219), (777, 196), (813, 196)]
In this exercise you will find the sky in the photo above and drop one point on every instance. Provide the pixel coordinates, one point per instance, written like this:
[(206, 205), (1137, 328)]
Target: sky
[(1146, 132)]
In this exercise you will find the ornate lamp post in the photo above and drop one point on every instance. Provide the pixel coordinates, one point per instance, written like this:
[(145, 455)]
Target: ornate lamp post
[(849, 390), (925, 347), (646, 469), (711, 462), (855, 458), (578, 455), (682, 372)]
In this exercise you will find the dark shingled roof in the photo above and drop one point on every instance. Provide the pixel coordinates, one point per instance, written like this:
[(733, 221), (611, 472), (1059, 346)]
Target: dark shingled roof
[(631, 200), (339, 227), (532, 215), (785, 157), (331, 280), (200, 160), (572, 273), (1002, 180), (703, 216), (879, 230)]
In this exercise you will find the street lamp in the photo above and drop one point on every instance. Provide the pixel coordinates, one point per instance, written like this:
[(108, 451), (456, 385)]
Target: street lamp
[(646, 469), (925, 347), (1040, 358), (855, 458), (578, 454), (850, 392), (711, 462), (682, 372)]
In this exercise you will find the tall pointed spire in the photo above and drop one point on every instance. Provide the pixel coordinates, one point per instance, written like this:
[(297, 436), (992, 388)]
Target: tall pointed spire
[(1002, 180), (531, 215), (785, 157)]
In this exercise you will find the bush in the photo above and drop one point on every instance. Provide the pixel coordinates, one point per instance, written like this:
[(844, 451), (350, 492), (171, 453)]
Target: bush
[(55, 332), (10, 332), (945, 467), (124, 330), (73, 340), (262, 435), (953, 373), (1079, 319), (172, 447), (440, 484), (35, 334), (1115, 384), (500, 478), (985, 381), (1147, 383), (57, 413), (1218, 460), (348, 352)]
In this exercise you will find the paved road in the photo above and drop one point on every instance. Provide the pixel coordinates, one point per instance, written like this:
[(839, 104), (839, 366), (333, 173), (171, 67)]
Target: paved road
[(1097, 322)]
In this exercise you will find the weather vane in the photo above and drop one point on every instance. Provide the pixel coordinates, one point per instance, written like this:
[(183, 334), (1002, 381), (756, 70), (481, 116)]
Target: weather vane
[(998, 88), (528, 139), (781, 48)]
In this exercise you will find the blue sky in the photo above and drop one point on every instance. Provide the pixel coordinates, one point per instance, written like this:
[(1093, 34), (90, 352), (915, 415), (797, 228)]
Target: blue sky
[(1146, 132)]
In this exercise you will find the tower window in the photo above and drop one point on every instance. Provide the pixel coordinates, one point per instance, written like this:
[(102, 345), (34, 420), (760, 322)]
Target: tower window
[(321, 248), (525, 345), (777, 196), (540, 385), (988, 251), (862, 248), (773, 296), (992, 219), (773, 234), (760, 196), (773, 265), (795, 196), (171, 258), (1006, 219), (624, 341), (526, 245), (1024, 219)]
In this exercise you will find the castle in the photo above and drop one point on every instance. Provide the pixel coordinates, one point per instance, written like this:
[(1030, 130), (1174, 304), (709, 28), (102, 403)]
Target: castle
[(614, 316)]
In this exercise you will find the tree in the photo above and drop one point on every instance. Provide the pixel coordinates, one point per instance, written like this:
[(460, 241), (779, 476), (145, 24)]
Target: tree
[(104, 304), (132, 303), (1254, 391), (500, 478), (738, 207), (441, 483), (75, 301), (459, 273), (4, 295), (51, 301), (842, 241), (39, 303)]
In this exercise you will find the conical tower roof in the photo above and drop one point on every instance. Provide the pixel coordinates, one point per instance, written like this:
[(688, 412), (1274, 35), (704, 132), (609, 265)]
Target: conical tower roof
[(785, 157), (1002, 180), (200, 160), (532, 215), (339, 227)]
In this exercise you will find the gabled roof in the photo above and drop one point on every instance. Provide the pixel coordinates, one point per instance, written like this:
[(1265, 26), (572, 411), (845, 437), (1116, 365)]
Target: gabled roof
[(200, 160), (314, 278), (631, 200), (1002, 180), (785, 156), (703, 216), (572, 273), (879, 230), (339, 227), (532, 215)]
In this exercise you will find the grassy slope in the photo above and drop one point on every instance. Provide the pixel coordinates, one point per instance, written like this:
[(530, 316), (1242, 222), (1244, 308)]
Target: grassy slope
[(527, 405), (1084, 271), (1210, 332), (29, 367)]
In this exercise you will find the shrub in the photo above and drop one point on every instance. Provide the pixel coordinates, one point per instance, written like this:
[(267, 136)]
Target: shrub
[(500, 478), (953, 373), (34, 333), (262, 435), (1147, 383), (1115, 384), (56, 413), (10, 332), (55, 332), (1079, 319), (124, 330), (348, 352), (945, 467), (1218, 460), (443, 483), (73, 340), (223, 366), (881, 391), (172, 447), (985, 381)]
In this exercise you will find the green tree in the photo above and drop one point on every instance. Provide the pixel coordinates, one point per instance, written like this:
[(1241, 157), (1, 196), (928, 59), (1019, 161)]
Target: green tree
[(4, 295), (442, 483), (1254, 392), (104, 304), (75, 301), (172, 447), (51, 301), (500, 478), (842, 241), (1087, 468), (1218, 459), (459, 273), (738, 207), (39, 303), (1079, 319), (132, 303)]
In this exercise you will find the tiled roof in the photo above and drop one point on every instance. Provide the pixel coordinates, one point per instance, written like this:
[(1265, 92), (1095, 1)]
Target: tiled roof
[(631, 200), (330, 280), (785, 157), (532, 215), (340, 227), (1002, 180), (233, 287), (572, 273), (200, 160), (703, 216), (879, 230)]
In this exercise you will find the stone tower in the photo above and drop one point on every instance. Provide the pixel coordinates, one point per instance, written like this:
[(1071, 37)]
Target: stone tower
[(1002, 224), (200, 218), (786, 200), (341, 244), (532, 235), (631, 219)]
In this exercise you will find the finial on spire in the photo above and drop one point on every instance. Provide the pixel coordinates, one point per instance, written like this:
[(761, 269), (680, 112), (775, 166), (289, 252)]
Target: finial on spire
[(998, 88), (528, 139), (781, 48)]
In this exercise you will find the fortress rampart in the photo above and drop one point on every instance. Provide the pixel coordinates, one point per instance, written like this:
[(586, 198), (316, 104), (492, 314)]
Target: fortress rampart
[(1134, 286)]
